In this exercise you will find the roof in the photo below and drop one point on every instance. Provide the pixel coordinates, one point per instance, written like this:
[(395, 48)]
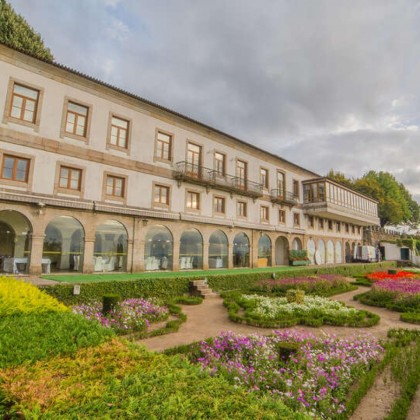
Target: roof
[(153, 104)]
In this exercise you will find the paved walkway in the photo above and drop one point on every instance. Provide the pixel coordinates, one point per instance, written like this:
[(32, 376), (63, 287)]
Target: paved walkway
[(211, 317)]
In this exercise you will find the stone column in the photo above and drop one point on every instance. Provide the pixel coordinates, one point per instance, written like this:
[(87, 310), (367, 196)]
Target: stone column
[(88, 255), (35, 261), (254, 248), (205, 252)]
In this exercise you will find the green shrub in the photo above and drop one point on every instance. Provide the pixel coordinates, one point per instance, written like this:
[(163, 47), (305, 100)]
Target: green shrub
[(17, 297), (179, 286), (109, 302), (31, 337), (411, 317), (117, 380)]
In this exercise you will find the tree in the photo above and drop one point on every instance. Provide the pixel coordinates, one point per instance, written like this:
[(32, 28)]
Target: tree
[(340, 178), (16, 32)]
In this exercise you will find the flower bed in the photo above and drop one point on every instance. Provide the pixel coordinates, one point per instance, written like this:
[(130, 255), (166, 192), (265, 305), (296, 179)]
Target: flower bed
[(399, 275), (130, 314), (277, 312), (308, 373), (322, 284)]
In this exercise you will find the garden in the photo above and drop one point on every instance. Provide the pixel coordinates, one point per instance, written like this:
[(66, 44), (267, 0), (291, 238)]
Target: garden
[(288, 302), (79, 357), (395, 290)]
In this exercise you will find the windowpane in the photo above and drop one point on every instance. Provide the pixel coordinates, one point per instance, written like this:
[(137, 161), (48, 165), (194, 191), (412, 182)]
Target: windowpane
[(15, 169), (163, 146), (8, 168), (24, 91), (78, 109)]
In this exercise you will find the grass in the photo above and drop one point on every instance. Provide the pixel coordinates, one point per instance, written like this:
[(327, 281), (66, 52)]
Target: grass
[(96, 278)]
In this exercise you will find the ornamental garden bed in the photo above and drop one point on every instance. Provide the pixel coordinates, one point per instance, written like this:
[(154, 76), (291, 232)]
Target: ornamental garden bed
[(280, 312), (398, 291)]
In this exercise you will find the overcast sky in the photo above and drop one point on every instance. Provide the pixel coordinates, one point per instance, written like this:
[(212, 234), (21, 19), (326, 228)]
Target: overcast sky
[(325, 83)]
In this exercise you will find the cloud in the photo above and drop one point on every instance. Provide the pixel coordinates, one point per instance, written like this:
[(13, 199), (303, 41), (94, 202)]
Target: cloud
[(323, 84)]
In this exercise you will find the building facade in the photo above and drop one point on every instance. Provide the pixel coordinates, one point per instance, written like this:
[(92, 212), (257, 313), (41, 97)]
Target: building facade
[(97, 179)]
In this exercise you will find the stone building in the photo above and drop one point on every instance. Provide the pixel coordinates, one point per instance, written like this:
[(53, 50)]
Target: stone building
[(94, 178)]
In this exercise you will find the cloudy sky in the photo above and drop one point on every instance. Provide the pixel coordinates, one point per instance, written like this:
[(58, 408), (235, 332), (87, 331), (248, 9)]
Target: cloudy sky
[(325, 83)]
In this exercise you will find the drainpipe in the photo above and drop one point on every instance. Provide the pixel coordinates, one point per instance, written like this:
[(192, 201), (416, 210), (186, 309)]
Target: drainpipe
[(132, 246)]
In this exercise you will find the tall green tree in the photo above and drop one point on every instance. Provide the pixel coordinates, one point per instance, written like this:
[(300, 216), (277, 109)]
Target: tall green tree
[(16, 32)]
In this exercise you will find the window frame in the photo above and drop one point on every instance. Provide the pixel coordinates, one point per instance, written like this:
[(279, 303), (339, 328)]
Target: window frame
[(161, 205), (63, 132), (65, 191), (296, 219), (296, 189), (16, 160), (7, 116), (192, 209), (282, 217), (238, 215), (109, 145), (7, 183), (215, 163), (157, 158), (244, 181), (215, 211), (110, 197), (266, 183), (265, 219)]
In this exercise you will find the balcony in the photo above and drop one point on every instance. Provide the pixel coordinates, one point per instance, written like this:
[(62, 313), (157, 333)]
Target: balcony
[(283, 197), (327, 199), (197, 174)]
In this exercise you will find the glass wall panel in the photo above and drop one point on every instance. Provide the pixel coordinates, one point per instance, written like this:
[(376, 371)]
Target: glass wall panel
[(241, 250), (311, 251), (321, 251), (297, 244), (158, 249), (264, 251), (330, 252), (64, 244), (191, 250), (110, 252), (218, 250), (282, 251), (15, 242), (338, 253)]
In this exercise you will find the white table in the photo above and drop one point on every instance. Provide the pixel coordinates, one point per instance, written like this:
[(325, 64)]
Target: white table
[(10, 264)]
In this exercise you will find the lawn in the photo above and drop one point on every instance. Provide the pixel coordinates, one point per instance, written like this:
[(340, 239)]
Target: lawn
[(95, 278)]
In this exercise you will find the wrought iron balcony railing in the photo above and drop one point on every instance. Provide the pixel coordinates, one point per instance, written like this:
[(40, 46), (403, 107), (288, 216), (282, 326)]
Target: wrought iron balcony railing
[(283, 197), (197, 174)]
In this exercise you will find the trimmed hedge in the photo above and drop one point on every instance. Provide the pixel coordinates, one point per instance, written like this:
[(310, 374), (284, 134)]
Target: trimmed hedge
[(178, 286)]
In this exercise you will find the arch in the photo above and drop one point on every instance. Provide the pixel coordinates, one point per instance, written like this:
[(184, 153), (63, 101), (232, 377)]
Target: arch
[(15, 242), (241, 250), (218, 250), (348, 253), (158, 248), (321, 251), (338, 253), (296, 244), (311, 250), (64, 244), (191, 250), (264, 251), (330, 252), (282, 251), (110, 250)]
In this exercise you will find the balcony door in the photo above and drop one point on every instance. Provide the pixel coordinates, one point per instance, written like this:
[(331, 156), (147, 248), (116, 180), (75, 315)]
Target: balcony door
[(241, 174), (194, 160)]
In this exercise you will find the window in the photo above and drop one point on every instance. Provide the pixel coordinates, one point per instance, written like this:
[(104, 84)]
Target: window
[(264, 178), (241, 173), (296, 219), (76, 119), (338, 227), (353, 229), (330, 225), (194, 160), (295, 188), (70, 178), (161, 195), (359, 230), (119, 132), (282, 216), (115, 186), (347, 228), (321, 223), (15, 168), (193, 200), (311, 221), (264, 216), (24, 103), (219, 205), (220, 163), (281, 184), (241, 209), (164, 146)]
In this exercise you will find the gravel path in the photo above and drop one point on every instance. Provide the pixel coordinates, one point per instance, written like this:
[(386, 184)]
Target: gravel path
[(211, 317)]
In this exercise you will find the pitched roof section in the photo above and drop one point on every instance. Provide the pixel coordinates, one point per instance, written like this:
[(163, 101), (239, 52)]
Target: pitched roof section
[(153, 104)]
